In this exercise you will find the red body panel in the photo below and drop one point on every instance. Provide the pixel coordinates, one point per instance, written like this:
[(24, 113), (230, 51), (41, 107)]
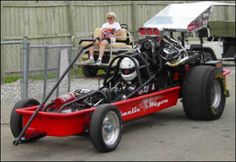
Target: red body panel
[(56, 124), (147, 104), (65, 124)]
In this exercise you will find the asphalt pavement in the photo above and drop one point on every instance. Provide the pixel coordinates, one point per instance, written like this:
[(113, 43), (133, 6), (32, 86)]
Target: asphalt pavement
[(165, 135)]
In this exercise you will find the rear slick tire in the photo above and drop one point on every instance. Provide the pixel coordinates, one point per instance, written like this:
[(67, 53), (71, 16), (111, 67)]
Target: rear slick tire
[(203, 93)]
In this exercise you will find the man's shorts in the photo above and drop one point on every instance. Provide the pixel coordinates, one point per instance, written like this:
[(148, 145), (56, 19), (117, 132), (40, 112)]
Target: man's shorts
[(107, 39)]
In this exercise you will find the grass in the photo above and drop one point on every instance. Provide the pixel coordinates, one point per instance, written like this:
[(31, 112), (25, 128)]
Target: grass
[(14, 77), (50, 75), (10, 79), (74, 73), (101, 72)]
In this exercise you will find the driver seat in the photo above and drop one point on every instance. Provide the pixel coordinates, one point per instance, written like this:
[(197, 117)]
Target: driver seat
[(120, 41)]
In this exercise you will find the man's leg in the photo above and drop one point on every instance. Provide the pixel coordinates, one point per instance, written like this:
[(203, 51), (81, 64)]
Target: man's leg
[(91, 49), (91, 53), (102, 47)]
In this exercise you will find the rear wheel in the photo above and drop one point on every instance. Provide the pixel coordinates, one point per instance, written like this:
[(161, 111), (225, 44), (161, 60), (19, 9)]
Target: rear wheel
[(203, 93), (16, 119), (105, 128), (208, 56)]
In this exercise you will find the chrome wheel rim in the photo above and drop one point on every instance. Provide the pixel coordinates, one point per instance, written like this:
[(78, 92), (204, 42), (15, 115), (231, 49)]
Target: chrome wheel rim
[(215, 94), (110, 128)]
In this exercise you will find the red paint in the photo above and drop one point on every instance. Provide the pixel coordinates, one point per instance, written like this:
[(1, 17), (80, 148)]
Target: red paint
[(186, 67), (65, 124), (149, 31), (156, 32), (141, 102), (192, 26), (59, 101), (142, 31), (226, 71), (176, 76)]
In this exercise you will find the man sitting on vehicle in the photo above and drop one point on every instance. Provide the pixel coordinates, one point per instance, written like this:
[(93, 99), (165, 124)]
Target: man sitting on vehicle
[(110, 30)]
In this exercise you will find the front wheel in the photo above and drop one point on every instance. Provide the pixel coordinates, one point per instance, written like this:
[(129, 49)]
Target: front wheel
[(203, 93), (105, 128)]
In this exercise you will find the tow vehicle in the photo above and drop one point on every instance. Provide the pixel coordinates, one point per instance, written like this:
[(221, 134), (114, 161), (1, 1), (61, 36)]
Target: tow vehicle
[(166, 72)]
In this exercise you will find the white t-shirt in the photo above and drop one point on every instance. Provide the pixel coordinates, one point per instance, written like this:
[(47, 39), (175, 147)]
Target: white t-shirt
[(108, 30), (115, 26)]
